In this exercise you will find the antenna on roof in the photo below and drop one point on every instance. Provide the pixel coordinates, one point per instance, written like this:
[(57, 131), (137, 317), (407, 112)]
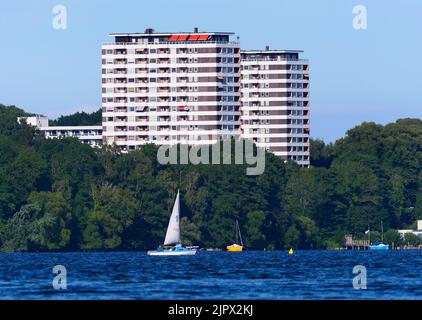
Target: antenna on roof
[(267, 48), (195, 30), (149, 30)]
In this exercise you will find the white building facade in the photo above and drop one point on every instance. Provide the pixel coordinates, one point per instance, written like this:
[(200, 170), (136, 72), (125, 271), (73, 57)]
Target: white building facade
[(170, 88), (275, 102), (91, 135)]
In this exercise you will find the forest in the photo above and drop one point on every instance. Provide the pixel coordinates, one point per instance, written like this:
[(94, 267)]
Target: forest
[(62, 195)]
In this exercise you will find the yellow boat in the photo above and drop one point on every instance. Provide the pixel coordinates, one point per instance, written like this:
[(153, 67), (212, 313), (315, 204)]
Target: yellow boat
[(236, 247)]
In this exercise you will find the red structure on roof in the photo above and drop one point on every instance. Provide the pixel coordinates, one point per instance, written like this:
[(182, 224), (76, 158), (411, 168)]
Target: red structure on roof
[(187, 37)]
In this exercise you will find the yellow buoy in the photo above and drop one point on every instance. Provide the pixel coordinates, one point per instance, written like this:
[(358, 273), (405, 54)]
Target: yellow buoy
[(291, 251)]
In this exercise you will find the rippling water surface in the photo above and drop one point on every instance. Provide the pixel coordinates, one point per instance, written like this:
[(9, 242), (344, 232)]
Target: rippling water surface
[(213, 275)]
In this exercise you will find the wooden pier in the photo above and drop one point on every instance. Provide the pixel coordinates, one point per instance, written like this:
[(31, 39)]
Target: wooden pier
[(355, 244)]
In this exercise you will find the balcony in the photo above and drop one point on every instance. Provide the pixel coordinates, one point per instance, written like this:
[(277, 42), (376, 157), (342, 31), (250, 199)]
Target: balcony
[(163, 70), (182, 60), (120, 61), (164, 119), (141, 51), (163, 60)]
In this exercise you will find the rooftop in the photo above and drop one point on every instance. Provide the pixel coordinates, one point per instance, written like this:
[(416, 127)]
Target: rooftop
[(151, 32), (270, 51)]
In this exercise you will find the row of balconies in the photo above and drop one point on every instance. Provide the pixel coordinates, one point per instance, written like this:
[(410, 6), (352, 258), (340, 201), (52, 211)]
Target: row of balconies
[(184, 60), (125, 51)]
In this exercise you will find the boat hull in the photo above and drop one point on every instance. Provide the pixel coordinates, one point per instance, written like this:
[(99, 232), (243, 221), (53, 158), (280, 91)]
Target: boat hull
[(172, 253), (235, 248), (379, 248)]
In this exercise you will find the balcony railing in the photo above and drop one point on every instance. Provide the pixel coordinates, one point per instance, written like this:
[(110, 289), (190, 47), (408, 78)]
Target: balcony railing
[(170, 42)]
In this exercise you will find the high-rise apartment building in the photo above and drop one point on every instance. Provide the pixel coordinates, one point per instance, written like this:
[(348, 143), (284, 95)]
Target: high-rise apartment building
[(275, 102), (170, 88)]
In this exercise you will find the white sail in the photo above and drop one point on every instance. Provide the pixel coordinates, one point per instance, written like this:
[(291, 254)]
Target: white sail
[(173, 230)]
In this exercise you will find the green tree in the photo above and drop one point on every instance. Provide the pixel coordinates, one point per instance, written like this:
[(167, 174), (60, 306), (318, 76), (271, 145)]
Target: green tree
[(255, 229), (114, 210)]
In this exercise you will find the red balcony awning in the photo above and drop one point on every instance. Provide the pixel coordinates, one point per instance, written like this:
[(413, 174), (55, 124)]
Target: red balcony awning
[(203, 37), (182, 37), (194, 37), (174, 37)]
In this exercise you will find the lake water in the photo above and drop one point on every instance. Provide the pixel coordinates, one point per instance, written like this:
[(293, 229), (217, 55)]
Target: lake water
[(213, 275)]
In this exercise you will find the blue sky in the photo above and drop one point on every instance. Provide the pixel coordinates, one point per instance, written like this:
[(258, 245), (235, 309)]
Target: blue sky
[(356, 75)]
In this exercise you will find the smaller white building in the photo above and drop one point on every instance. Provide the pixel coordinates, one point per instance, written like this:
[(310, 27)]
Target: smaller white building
[(417, 232), (91, 135)]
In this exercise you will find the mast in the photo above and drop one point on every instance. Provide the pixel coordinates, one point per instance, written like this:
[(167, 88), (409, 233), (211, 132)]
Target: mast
[(240, 235), (382, 233)]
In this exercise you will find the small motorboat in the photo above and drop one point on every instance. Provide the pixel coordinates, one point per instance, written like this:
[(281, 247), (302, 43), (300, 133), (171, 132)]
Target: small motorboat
[(379, 246)]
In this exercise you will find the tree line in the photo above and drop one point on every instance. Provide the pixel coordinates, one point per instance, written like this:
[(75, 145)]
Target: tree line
[(62, 195)]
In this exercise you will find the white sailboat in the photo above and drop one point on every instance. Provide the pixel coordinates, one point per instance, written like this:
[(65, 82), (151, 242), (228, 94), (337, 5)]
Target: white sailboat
[(172, 245)]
